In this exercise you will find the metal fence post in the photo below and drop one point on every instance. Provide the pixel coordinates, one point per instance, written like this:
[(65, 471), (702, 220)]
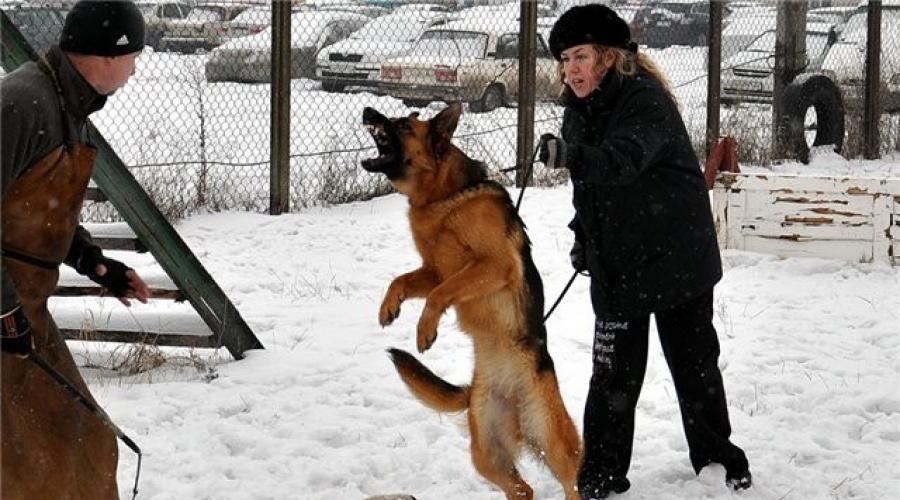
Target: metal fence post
[(714, 80), (527, 68), (790, 59), (872, 106), (279, 176)]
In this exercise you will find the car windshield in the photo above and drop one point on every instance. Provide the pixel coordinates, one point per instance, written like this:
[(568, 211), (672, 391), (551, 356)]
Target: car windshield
[(451, 43), (401, 29), (856, 28), (815, 43)]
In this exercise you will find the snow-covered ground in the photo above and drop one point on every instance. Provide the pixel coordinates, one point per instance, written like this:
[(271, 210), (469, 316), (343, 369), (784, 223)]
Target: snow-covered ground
[(810, 357), (810, 348)]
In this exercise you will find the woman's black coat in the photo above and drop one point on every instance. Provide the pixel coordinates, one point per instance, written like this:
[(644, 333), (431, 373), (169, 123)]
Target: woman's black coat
[(641, 203)]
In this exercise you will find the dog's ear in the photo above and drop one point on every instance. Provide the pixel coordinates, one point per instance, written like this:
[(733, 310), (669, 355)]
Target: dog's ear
[(442, 127)]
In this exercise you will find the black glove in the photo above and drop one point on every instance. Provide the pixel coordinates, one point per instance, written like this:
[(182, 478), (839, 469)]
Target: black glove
[(114, 280), (15, 332), (552, 152), (578, 257)]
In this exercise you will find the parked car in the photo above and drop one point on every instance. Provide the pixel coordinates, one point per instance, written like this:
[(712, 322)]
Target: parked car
[(248, 22), (248, 59), (747, 76), (364, 8), (157, 14), (836, 15), (39, 24), (202, 29), (469, 60), (742, 27), (417, 7), (356, 61), (845, 62), (665, 23)]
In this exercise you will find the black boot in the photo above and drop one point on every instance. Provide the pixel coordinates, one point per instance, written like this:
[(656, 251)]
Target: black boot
[(740, 479), (603, 487)]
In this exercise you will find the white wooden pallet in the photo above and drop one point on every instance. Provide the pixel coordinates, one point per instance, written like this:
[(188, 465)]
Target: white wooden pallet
[(849, 218)]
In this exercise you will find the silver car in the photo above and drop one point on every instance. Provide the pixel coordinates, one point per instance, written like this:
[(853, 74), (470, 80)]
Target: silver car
[(356, 61), (747, 76), (248, 59), (475, 61), (845, 62)]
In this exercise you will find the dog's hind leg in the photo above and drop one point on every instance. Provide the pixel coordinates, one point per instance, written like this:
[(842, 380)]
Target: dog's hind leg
[(494, 441), (550, 429)]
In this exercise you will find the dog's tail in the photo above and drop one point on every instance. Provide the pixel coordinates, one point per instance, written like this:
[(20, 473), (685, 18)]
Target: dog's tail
[(435, 392)]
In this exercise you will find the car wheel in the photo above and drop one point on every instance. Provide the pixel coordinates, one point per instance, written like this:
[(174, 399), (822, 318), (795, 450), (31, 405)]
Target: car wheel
[(492, 99), (819, 93), (332, 87)]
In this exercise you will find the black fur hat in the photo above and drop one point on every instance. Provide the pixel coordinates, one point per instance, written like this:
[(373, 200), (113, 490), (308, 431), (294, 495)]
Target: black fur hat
[(592, 23), (103, 28)]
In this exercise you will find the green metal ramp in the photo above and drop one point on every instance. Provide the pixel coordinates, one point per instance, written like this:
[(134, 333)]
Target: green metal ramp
[(154, 232)]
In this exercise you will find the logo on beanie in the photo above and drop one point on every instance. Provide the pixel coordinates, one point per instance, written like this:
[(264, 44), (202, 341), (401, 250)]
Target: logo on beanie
[(123, 40)]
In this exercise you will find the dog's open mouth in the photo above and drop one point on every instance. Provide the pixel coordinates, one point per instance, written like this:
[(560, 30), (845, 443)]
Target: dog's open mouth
[(381, 129), (385, 147)]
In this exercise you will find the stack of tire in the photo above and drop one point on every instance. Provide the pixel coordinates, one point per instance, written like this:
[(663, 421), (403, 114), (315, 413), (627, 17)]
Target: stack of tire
[(822, 94)]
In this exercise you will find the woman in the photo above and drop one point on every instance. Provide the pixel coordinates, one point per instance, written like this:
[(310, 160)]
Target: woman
[(644, 231)]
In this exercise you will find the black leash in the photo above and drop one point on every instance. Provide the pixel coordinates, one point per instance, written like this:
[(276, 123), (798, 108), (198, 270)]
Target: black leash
[(528, 168), (527, 174), (561, 295), (90, 405)]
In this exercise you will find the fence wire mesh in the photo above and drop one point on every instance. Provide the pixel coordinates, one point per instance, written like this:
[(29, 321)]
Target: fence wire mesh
[(194, 123)]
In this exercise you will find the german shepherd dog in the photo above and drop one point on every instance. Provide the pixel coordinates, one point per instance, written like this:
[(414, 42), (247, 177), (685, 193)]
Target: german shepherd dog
[(476, 257)]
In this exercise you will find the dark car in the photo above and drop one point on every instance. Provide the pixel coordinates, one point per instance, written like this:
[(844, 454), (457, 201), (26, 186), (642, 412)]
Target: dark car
[(39, 24), (660, 24)]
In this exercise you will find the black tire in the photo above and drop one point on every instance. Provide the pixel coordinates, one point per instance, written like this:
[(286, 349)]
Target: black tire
[(494, 97), (823, 95)]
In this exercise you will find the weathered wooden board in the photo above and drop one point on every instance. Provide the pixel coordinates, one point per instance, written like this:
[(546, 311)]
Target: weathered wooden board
[(846, 218)]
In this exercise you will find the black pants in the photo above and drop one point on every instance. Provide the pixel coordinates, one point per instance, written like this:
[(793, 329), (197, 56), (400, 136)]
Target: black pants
[(691, 349)]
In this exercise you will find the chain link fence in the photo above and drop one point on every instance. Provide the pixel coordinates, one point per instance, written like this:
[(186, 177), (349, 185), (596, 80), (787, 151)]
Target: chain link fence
[(194, 123)]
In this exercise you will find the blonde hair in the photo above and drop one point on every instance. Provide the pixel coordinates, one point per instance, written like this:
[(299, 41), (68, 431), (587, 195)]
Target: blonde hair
[(628, 63)]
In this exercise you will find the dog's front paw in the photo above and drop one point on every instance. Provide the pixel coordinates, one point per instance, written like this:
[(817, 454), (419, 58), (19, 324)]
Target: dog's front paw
[(390, 308), (388, 313), (426, 332)]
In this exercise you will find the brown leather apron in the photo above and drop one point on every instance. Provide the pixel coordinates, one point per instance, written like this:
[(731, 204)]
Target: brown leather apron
[(52, 447)]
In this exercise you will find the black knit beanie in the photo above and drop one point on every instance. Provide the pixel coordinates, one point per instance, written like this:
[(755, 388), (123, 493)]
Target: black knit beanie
[(592, 23), (103, 28)]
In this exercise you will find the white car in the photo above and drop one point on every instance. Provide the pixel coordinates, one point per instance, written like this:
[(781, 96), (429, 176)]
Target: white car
[(249, 22), (475, 61), (846, 60), (356, 61), (747, 76)]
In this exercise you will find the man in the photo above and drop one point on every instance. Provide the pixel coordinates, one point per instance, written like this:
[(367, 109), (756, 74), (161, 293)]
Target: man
[(47, 161)]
